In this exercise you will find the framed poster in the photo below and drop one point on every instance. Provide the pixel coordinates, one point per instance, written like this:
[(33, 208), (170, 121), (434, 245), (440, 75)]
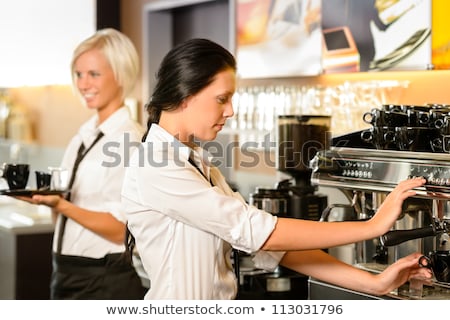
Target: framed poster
[(278, 38), (440, 37), (388, 34)]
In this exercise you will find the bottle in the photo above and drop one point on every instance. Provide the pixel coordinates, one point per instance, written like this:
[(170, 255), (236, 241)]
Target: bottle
[(4, 111), (18, 125)]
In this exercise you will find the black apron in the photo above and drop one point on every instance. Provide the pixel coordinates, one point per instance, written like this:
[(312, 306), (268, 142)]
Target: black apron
[(112, 277)]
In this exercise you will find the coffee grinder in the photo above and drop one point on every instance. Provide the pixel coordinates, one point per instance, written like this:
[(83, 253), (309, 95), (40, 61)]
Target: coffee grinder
[(299, 138)]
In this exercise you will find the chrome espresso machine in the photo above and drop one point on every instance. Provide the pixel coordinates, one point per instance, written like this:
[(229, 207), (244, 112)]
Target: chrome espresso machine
[(366, 165)]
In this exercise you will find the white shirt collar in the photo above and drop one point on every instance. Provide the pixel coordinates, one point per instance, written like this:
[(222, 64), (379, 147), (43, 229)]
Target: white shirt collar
[(199, 154), (159, 134), (89, 130)]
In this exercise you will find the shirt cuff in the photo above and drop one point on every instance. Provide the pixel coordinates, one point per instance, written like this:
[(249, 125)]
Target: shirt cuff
[(268, 260)]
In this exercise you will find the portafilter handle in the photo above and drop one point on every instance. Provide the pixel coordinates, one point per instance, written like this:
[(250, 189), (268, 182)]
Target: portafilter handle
[(395, 237)]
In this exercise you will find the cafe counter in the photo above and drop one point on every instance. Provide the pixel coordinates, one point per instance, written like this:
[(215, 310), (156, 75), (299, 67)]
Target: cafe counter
[(26, 233)]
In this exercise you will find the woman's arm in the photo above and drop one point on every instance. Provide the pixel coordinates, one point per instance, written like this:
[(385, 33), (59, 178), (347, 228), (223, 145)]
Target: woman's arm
[(298, 234), (320, 265), (102, 223)]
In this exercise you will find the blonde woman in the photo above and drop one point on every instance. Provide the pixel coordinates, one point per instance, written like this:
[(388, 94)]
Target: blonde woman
[(90, 223)]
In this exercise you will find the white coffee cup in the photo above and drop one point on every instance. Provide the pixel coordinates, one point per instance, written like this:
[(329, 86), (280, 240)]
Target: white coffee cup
[(60, 178)]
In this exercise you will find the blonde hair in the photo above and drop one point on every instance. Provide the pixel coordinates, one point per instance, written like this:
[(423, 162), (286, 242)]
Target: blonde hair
[(119, 51)]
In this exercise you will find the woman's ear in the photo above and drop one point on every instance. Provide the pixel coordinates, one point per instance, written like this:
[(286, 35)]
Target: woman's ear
[(186, 102)]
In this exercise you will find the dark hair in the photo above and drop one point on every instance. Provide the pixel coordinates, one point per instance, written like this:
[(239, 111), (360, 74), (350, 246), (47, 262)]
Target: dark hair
[(184, 71)]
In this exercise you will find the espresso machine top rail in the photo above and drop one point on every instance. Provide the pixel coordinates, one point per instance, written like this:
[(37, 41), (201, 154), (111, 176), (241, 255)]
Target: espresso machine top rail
[(381, 170)]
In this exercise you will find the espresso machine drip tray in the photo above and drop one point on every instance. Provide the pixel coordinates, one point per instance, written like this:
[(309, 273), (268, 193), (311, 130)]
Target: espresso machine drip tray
[(433, 290)]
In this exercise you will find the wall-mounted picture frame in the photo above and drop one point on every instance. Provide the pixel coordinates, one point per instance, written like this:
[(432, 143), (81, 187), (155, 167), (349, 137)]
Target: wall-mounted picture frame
[(278, 38), (388, 34)]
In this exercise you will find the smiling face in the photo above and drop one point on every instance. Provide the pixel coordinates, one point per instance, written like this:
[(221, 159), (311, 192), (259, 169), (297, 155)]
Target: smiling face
[(96, 83), (205, 113)]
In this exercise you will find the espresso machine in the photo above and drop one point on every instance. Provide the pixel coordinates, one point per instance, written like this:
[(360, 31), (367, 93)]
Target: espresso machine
[(365, 173)]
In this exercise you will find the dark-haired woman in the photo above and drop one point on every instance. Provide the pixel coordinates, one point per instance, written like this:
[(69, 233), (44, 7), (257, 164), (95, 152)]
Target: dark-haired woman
[(186, 219)]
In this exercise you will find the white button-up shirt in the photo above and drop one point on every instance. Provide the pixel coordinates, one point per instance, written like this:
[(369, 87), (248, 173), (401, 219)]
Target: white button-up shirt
[(98, 181), (184, 227)]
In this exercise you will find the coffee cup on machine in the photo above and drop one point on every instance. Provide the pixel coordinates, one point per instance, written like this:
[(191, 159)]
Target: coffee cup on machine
[(383, 118), (382, 138), (416, 138), (418, 118), (439, 262), (16, 175)]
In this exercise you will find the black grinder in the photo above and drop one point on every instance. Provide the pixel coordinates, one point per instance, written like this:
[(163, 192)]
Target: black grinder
[(299, 138)]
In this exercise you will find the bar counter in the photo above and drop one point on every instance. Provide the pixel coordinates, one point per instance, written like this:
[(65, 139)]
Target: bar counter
[(26, 233)]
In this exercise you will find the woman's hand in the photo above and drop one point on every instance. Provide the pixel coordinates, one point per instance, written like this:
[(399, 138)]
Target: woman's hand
[(323, 266), (401, 271), (391, 208), (51, 201)]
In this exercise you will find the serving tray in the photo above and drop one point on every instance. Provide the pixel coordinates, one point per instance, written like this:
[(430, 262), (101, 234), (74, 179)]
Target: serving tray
[(31, 192)]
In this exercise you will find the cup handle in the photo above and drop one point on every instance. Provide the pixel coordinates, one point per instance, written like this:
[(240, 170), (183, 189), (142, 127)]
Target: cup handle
[(326, 212), (367, 136), (439, 123), (436, 145), (389, 136), (425, 262), (424, 118), (368, 117)]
